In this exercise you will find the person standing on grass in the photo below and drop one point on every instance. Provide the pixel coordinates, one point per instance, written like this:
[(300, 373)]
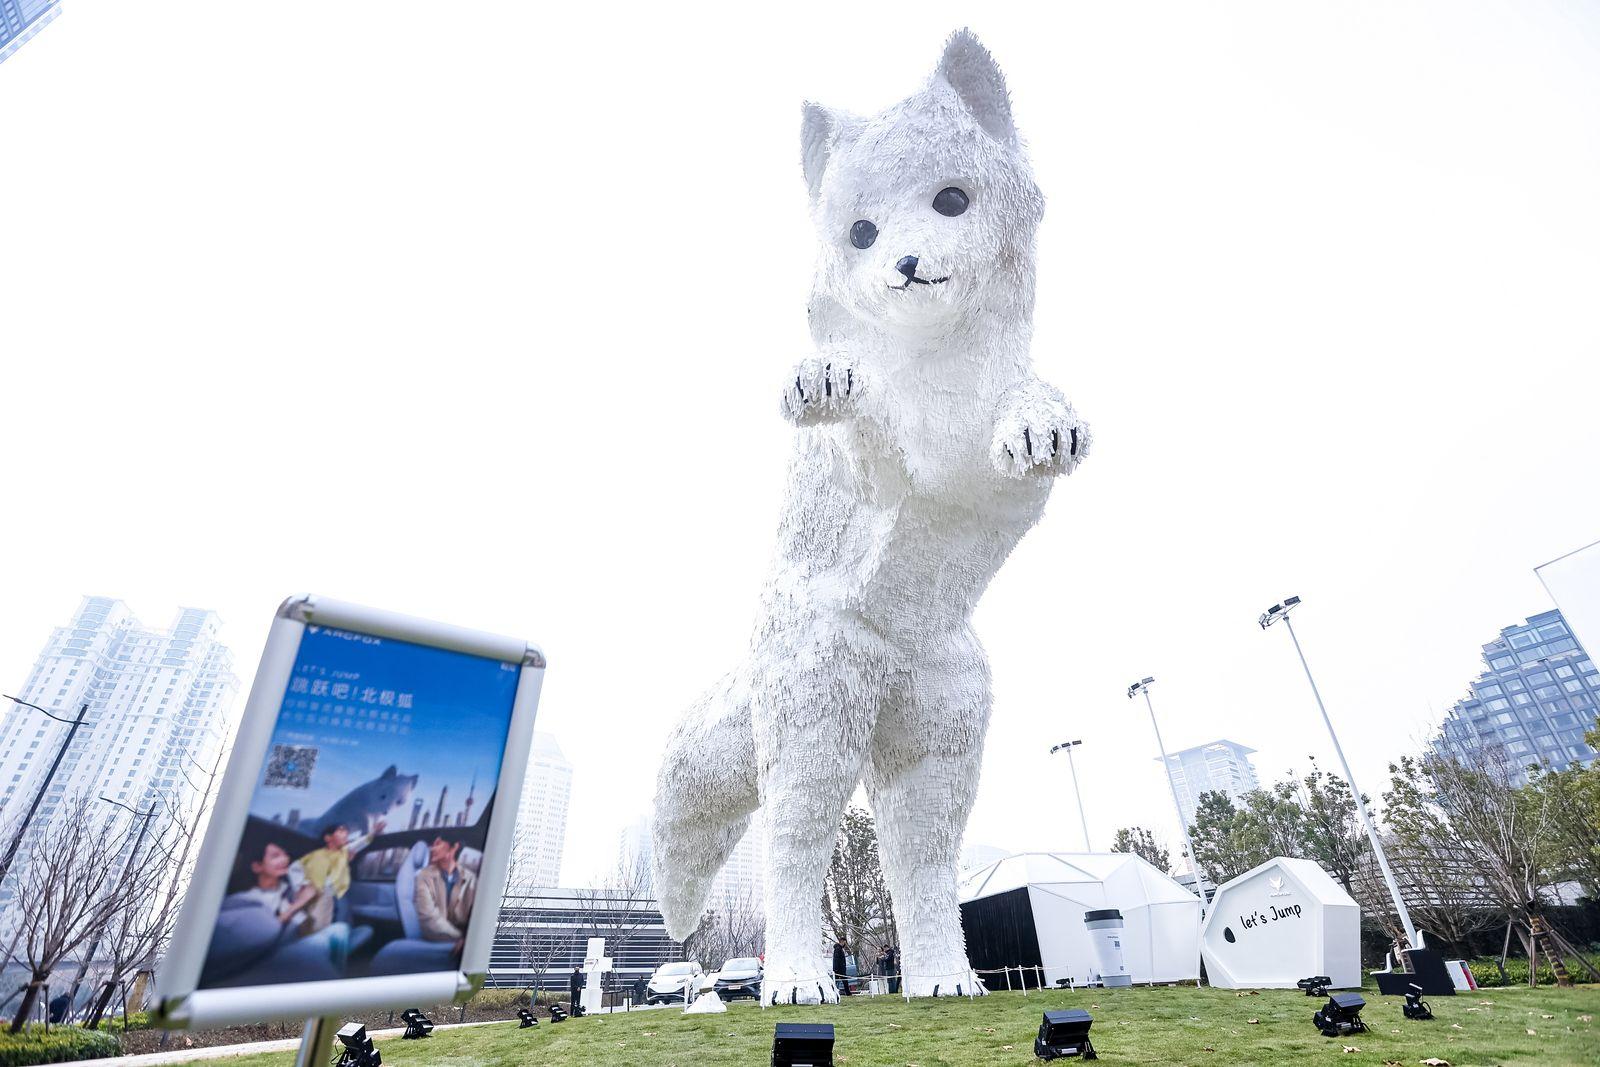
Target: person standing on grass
[(838, 967), (575, 984)]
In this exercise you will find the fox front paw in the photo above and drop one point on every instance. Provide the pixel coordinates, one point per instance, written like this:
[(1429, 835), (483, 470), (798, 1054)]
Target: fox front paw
[(821, 389), (1042, 435)]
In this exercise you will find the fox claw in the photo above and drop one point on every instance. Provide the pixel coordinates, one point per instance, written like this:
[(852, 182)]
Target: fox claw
[(824, 389)]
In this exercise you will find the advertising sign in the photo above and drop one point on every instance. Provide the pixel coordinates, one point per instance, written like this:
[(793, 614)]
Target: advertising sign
[(357, 853)]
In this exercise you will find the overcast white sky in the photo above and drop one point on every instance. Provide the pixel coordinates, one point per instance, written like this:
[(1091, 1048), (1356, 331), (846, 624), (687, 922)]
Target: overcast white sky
[(480, 313)]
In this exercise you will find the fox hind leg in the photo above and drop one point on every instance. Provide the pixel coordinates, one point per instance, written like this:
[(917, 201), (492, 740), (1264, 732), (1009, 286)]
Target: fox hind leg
[(814, 709), (705, 793), (922, 780)]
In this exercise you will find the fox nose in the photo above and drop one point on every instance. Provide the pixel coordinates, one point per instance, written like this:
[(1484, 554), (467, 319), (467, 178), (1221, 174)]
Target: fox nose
[(907, 266)]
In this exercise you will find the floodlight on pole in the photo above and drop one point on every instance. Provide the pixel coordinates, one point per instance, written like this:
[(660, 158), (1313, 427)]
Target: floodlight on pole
[(1072, 769), (1143, 686), (1280, 611)]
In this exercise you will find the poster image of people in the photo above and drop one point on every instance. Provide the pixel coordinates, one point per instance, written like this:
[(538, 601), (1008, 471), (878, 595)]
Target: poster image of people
[(365, 834)]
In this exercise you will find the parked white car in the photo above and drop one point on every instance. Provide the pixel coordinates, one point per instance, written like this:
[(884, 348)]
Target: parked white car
[(671, 980)]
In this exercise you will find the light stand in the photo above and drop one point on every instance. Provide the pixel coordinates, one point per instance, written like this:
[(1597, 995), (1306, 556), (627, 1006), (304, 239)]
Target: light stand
[(418, 1025), (1341, 1016), (358, 1048), (1067, 747), (1270, 616), (1143, 686), (44, 786)]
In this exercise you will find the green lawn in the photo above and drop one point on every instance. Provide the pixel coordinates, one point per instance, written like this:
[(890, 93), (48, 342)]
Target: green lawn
[(1154, 1026)]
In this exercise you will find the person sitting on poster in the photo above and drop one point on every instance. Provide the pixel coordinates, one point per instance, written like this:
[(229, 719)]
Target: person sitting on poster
[(327, 870), (280, 888), (262, 934), (444, 894)]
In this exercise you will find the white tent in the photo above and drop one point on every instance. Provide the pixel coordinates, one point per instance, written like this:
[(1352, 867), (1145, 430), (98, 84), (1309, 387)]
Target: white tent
[(1280, 922), (1033, 904)]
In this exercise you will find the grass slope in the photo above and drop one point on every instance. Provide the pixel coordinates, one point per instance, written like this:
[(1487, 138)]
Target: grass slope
[(1150, 1026)]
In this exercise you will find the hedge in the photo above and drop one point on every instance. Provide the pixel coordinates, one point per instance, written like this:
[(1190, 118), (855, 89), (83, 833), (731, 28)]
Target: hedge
[(1487, 975), (62, 1043)]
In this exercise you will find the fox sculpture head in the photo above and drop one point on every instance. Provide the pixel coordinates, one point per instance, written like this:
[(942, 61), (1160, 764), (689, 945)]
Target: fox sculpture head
[(926, 212)]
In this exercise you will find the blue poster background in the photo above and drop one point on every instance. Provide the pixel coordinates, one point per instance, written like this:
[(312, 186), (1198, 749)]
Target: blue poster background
[(366, 703)]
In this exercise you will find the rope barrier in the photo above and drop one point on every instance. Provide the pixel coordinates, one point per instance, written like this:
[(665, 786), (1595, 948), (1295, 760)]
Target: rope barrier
[(962, 989)]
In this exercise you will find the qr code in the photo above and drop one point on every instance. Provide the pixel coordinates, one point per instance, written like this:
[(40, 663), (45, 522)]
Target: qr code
[(290, 767)]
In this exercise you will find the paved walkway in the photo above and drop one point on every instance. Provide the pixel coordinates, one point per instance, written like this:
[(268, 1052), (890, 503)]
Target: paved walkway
[(228, 1052)]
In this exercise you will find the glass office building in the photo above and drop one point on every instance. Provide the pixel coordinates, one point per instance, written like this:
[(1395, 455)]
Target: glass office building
[(1533, 704), (21, 19)]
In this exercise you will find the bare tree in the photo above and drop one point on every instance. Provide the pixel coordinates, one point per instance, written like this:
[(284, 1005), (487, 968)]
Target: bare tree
[(736, 927), (1463, 810), (138, 932), (67, 891), (856, 908), (618, 905)]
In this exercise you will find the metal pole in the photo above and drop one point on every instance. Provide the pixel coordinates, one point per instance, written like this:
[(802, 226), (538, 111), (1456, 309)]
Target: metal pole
[(1084, 819), (1361, 807), (316, 1041), (1194, 861), (38, 797)]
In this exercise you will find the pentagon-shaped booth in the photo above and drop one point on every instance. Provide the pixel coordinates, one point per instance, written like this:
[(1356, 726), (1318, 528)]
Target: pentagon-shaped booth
[(1029, 909), (1278, 923)]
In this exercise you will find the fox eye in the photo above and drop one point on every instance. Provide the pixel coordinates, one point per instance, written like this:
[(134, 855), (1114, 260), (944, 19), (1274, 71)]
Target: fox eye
[(863, 233), (950, 201)]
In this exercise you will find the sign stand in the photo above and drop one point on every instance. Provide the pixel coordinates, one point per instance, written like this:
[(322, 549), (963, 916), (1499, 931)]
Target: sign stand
[(316, 1041), (596, 964)]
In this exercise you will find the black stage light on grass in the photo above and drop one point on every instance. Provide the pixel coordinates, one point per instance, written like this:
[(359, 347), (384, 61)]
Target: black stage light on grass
[(1341, 1016), (802, 1045), (525, 1019), (1064, 1033), (1316, 985), (358, 1048), (1415, 1007), (417, 1024), (557, 1013)]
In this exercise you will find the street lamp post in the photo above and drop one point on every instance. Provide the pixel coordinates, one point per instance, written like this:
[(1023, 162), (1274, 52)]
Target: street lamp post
[(1072, 769), (1143, 686), (133, 857), (38, 797), (1281, 611)]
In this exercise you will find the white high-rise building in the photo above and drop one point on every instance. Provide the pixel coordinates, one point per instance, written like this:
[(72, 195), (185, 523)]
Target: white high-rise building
[(738, 885), (1219, 767), (635, 851), (742, 881), (542, 815), (157, 700)]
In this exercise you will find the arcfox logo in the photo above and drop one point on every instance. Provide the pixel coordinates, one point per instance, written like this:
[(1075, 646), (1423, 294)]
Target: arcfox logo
[(1277, 887)]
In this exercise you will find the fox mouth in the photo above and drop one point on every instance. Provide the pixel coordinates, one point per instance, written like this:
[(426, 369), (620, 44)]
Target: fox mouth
[(920, 281)]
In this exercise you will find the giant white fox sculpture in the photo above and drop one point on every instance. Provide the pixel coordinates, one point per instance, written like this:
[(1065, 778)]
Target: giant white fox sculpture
[(926, 448)]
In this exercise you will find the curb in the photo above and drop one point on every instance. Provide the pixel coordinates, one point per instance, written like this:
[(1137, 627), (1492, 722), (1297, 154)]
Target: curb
[(228, 1052)]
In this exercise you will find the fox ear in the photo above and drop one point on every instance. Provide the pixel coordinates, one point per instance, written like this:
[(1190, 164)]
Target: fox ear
[(817, 127), (971, 71), (389, 772)]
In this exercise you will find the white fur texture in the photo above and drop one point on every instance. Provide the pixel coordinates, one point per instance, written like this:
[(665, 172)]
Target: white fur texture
[(926, 448)]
